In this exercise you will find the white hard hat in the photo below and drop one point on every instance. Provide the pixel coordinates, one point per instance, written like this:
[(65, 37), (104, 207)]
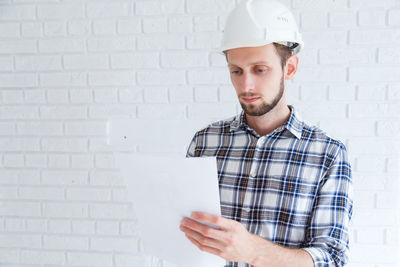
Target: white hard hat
[(259, 22)]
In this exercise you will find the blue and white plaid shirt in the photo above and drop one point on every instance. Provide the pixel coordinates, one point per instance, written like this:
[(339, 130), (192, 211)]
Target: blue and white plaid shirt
[(292, 186)]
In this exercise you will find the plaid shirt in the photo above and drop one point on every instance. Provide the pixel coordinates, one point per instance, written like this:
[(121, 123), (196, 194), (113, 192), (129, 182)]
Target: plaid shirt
[(292, 186)]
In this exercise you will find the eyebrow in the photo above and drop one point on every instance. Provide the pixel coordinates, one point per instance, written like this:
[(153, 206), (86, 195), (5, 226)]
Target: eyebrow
[(252, 63)]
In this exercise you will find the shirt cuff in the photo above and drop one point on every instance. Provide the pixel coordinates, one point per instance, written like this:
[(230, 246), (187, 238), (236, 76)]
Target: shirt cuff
[(320, 257)]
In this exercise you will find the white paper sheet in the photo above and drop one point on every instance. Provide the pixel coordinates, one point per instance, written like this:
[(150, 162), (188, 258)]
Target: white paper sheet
[(165, 189)]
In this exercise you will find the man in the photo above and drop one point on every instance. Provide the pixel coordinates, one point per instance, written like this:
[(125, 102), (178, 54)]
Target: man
[(285, 187)]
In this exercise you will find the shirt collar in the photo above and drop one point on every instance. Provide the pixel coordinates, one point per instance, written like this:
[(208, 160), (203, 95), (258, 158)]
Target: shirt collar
[(294, 124)]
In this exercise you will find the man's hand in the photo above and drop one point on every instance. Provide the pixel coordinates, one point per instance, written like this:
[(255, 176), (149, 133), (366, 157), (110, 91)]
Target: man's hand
[(231, 241)]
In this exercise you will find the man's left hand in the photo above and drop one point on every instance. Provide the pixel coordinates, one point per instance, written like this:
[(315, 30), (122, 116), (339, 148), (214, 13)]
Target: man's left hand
[(231, 241)]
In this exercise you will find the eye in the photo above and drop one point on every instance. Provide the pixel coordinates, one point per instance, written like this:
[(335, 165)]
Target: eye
[(235, 71)]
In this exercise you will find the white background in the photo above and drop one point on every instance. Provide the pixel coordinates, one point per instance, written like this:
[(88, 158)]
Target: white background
[(68, 66)]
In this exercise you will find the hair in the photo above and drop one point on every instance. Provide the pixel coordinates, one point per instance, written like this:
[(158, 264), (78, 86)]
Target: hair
[(283, 52)]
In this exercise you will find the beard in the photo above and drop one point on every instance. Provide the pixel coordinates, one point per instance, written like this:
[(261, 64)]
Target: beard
[(264, 107)]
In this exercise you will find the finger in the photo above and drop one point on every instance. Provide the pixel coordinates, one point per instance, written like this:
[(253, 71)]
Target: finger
[(213, 219), (203, 240), (204, 248), (205, 230)]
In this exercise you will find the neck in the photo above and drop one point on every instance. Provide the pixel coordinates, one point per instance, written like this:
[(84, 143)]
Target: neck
[(268, 122)]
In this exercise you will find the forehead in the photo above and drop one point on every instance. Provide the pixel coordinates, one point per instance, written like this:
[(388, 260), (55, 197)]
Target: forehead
[(253, 55)]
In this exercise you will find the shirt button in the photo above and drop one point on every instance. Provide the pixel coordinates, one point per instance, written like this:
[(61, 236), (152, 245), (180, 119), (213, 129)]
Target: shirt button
[(247, 210)]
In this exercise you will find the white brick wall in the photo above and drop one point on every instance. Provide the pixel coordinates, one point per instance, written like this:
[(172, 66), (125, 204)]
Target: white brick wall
[(68, 66)]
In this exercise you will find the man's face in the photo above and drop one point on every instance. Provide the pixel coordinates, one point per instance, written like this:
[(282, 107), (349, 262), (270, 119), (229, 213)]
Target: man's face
[(257, 75)]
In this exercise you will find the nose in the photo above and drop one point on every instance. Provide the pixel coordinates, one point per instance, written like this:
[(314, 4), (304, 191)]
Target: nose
[(247, 82)]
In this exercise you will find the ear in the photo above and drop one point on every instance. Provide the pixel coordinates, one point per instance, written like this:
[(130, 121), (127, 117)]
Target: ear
[(291, 67)]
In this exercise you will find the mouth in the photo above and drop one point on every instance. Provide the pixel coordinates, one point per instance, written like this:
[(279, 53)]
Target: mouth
[(251, 100)]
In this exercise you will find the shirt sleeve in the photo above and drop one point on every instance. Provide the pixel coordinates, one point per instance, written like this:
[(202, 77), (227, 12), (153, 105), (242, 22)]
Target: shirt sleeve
[(328, 234), (192, 147)]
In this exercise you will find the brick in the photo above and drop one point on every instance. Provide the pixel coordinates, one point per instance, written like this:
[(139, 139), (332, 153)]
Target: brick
[(111, 44), (32, 29), (120, 78), (373, 17), (370, 235), (371, 163), (181, 24), (134, 60), (218, 60), (58, 160), (105, 96), (7, 128), (57, 96), (120, 195), (210, 6), (78, 27), (83, 227), (83, 161), (90, 259), (61, 45), (166, 77), (161, 111), (118, 110), (307, 57), (36, 225), (227, 94), (159, 7), (204, 40), (394, 17), (35, 160), (106, 178), (64, 145), (343, 56), (55, 28), (331, 39), (209, 77), (8, 192), (205, 23), (19, 144), (206, 94), (386, 200), (19, 176), (18, 80), (341, 92), (356, 4), (135, 260), (310, 92), (181, 94), (13, 96), (389, 55), (350, 128), (62, 177), (88, 194), (13, 160), (105, 161), (114, 244), (375, 253), (9, 256), (129, 26), (18, 112), (62, 79), (65, 210), (374, 217), (18, 12), (35, 128), (105, 27), (20, 240), (80, 96), (321, 74), (130, 95), (34, 96), (342, 19), (156, 95), (105, 9), (330, 110), (376, 146), (159, 41), (184, 60), (129, 228), (84, 62), (25, 209), (9, 30), (371, 92), (155, 25), (63, 112), (373, 74), (65, 242), (314, 20), (392, 236), (60, 11), (41, 193), (110, 211), (37, 63), (6, 63), (213, 112), (107, 228), (394, 92), (379, 37), (59, 226), (42, 257)]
